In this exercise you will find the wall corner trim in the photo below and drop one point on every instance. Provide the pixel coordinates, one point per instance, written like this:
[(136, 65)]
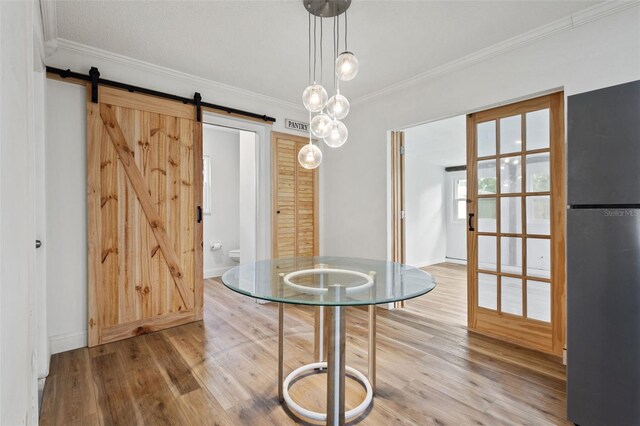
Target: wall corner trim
[(73, 47), (49, 16), (584, 16)]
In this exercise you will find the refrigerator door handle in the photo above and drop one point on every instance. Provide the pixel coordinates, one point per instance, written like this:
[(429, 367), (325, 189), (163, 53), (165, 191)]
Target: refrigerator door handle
[(470, 222)]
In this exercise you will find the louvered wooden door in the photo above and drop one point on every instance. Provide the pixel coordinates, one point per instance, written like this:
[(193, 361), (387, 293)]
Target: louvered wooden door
[(295, 200), (145, 239)]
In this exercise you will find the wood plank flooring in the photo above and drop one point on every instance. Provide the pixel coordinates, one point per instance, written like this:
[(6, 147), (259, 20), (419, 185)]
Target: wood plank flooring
[(223, 371)]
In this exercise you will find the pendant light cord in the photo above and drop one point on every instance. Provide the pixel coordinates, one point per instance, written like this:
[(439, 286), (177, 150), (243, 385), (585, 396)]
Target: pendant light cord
[(346, 30), (310, 140), (321, 72), (309, 36), (336, 49), (335, 52), (314, 47)]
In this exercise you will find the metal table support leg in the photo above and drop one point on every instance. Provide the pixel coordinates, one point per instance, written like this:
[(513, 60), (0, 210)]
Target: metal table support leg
[(372, 346), (335, 366), (319, 340), (280, 350), (329, 345)]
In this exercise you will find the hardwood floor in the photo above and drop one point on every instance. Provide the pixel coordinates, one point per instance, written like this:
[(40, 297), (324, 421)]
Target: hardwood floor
[(224, 370)]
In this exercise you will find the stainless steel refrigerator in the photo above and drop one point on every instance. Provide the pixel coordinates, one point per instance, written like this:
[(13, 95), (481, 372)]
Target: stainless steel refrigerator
[(603, 255)]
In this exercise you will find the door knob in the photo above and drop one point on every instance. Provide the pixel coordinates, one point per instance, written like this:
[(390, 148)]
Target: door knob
[(38, 244)]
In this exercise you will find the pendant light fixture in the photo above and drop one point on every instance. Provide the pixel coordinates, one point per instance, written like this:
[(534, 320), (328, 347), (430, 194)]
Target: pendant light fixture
[(347, 66), (326, 124)]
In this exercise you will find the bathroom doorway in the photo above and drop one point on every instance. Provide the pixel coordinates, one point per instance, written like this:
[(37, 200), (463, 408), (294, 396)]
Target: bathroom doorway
[(230, 197)]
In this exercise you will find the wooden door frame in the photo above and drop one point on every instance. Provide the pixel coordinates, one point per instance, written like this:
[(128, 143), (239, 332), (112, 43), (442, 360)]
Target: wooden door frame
[(557, 148), (398, 228), (274, 191)]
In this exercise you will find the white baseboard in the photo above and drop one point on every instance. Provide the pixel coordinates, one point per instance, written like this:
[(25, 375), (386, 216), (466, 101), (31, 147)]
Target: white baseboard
[(67, 342), (458, 261), (428, 263), (216, 272), (40, 391)]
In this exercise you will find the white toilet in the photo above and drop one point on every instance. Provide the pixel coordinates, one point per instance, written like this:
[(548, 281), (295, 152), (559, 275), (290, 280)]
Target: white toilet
[(234, 255)]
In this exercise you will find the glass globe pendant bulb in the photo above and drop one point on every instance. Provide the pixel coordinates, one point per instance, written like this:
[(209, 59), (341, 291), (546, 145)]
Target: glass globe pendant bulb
[(346, 66), (338, 107), (314, 97), (338, 134), (320, 125), (310, 156)]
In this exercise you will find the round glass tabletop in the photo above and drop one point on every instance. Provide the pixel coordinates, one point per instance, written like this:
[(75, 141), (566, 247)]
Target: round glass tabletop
[(328, 281)]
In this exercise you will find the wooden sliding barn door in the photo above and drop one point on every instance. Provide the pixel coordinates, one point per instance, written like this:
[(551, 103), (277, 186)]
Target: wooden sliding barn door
[(295, 200), (516, 223), (144, 165)]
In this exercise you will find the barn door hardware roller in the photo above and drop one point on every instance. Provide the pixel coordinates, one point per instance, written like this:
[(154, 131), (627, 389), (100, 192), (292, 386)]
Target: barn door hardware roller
[(94, 74), (197, 99)]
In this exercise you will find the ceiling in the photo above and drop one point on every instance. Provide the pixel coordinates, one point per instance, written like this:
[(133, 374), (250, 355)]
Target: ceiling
[(442, 143), (262, 46)]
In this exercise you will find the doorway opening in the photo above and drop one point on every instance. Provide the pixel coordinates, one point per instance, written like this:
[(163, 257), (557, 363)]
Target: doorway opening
[(511, 207), (228, 198), (435, 211)]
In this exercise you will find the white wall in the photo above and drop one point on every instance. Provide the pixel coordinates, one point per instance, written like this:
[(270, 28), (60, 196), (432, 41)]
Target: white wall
[(222, 145), (425, 232), (456, 229), (248, 197), (599, 53), (65, 243), (66, 164), (18, 123)]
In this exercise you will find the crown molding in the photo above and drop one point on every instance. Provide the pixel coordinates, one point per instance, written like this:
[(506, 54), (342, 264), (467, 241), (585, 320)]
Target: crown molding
[(49, 15), (582, 17), (64, 45)]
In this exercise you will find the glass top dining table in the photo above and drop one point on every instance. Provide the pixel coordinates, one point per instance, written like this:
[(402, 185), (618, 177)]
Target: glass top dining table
[(333, 283), (328, 281)]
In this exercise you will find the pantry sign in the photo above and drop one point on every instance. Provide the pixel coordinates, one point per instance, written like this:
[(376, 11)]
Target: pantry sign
[(296, 125)]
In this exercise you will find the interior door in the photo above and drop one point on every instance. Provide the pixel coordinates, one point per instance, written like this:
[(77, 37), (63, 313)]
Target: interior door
[(295, 200), (516, 223), (144, 166)]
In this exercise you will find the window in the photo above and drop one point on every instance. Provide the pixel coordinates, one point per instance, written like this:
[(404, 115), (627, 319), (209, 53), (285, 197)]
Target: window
[(459, 199), (206, 184)]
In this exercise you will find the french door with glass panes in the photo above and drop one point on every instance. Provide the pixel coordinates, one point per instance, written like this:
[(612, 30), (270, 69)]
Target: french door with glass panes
[(516, 223)]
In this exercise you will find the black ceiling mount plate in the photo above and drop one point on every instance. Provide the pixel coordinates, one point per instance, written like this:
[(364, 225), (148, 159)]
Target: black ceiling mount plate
[(326, 8)]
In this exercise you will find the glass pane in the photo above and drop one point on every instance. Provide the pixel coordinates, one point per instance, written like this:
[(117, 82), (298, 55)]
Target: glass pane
[(510, 175), (538, 257), (538, 176), (539, 300), (510, 134), (511, 215), (487, 251), (487, 177), (488, 291), (461, 209), (511, 255), (461, 188), (511, 295), (486, 136), (538, 129), (486, 214), (539, 215)]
